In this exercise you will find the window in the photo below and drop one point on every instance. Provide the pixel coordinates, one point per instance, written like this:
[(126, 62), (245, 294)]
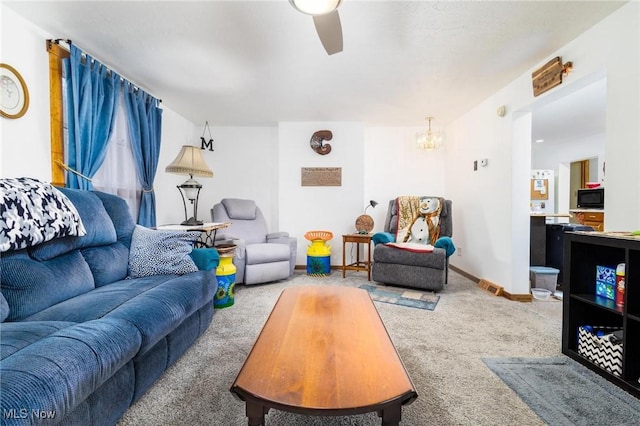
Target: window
[(117, 175)]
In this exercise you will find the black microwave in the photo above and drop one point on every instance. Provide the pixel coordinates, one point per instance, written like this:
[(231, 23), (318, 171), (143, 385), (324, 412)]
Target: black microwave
[(591, 198)]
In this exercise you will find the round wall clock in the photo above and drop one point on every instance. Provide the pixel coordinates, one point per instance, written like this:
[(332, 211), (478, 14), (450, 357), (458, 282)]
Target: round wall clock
[(14, 96)]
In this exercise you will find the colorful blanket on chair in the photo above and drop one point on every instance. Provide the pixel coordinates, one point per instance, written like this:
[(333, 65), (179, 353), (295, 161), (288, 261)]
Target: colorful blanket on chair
[(418, 219)]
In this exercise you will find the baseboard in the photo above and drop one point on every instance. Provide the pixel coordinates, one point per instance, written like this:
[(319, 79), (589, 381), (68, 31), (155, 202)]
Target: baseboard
[(464, 273), (513, 297)]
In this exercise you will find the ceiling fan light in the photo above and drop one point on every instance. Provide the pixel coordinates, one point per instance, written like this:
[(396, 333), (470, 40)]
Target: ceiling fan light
[(315, 7)]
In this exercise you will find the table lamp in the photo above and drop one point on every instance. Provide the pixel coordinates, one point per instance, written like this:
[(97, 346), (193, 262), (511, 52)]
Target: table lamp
[(190, 162), (364, 222)]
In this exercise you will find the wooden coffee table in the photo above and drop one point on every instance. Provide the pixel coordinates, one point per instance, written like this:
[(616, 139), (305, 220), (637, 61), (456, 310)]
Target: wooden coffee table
[(324, 351)]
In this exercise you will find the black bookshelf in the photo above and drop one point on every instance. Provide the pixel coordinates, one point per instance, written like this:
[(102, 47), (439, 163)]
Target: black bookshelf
[(583, 251)]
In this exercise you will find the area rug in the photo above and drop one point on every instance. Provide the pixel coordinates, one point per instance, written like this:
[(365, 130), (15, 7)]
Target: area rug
[(563, 392), (402, 297)]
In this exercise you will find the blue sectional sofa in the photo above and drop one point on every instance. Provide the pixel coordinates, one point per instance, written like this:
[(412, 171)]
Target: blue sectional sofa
[(80, 339)]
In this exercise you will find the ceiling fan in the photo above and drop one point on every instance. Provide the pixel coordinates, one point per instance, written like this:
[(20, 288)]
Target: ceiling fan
[(326, 19)]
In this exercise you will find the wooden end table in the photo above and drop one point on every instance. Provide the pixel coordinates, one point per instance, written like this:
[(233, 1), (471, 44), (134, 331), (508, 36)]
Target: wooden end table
[(324, 350), (358, 265)]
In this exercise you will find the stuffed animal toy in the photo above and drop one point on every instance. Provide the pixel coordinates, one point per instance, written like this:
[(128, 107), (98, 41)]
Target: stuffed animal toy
[(425, 228)]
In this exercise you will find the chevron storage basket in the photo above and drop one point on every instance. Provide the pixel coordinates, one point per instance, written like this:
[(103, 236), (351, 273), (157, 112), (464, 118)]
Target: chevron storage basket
[(594, 344)]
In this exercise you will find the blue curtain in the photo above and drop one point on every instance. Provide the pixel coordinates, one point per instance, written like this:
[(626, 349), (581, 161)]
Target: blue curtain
[(145, 122), (92, 95)]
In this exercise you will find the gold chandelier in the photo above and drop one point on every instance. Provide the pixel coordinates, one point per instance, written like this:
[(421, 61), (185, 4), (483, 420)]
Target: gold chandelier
[(428, 140)]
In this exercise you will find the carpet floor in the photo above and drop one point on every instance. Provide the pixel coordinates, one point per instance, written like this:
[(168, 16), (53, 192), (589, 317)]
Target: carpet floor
[(441, 349), (566, 393)]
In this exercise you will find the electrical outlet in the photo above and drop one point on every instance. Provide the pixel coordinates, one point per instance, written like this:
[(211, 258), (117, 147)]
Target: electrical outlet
[(459, 250)]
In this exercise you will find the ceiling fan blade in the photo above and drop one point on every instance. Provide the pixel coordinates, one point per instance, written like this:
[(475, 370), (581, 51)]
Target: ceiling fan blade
[(329, 30)]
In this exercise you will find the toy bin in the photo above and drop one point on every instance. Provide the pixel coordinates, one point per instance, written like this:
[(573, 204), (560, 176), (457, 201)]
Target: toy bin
[(543, 277), (602, 346), (318, 253)]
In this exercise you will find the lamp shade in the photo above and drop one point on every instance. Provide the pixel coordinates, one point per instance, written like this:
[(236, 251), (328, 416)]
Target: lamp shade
[(315, 7), (189, 162)]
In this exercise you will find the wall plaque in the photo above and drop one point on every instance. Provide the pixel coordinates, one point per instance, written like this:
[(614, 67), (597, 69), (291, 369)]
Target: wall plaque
[(549, 75), (321, 176)]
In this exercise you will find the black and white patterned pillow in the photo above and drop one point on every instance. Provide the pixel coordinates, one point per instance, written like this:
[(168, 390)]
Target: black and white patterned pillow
[(156, 252), (33, 212)]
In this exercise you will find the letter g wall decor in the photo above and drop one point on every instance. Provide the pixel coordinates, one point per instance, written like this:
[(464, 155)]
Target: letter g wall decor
[(317, 141)]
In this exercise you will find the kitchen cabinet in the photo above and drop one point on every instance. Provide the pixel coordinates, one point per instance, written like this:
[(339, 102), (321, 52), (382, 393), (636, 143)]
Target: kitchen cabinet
[(593, 218)]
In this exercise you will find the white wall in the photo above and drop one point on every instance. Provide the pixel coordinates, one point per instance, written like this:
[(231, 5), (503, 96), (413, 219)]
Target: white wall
[(490, 218), (25, 144), (393, 167), (330, 208), (243, 163)]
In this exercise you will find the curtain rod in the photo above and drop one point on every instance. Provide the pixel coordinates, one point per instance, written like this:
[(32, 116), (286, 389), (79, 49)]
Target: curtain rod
[(109, 70)]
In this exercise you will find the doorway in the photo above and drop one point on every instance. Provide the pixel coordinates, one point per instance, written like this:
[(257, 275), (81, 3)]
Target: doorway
[(581, 172)]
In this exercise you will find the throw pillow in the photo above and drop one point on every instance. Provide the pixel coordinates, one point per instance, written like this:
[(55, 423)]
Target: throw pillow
[(155, 252), (33, 212), (205, 258), (446, 243)]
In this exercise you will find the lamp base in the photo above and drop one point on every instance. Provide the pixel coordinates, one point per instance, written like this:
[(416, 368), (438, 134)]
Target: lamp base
[(192, 221)]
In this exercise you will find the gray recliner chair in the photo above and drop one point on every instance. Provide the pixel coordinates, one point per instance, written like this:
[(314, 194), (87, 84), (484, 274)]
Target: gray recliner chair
[(426, 271), (260, 256)]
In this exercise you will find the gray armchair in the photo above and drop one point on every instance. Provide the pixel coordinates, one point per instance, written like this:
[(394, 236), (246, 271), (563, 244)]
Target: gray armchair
[(426, 271), (261, 257)]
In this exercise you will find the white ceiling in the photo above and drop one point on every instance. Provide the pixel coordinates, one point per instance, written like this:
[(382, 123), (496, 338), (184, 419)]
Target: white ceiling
[(250, 63)]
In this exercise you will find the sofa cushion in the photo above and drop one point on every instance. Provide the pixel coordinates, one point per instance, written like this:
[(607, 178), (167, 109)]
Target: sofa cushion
[(387, 254), (240, 209), (99, 302), (160, 310), (118, 211), (4, 308), (31, 286), (155, 252), (33, 212), (108, 264), (17, 335), (99, 227), (59, 371), (155, 305)]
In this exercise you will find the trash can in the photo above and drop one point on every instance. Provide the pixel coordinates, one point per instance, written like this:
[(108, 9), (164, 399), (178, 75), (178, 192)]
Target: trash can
[(555, 243), (318, 253)]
